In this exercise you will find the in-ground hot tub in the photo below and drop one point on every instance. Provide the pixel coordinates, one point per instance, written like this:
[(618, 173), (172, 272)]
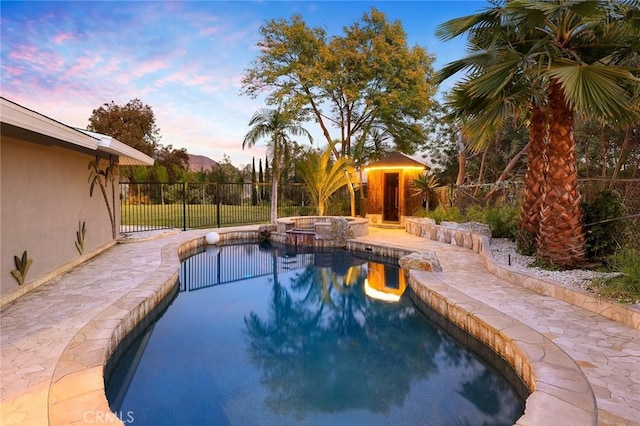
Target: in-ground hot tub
[(319, 231)]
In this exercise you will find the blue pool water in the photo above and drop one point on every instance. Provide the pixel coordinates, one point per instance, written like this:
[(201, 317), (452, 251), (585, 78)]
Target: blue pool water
[(263, 335)]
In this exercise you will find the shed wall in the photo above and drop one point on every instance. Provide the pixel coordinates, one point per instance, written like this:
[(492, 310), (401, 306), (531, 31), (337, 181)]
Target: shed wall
[(409, 201)]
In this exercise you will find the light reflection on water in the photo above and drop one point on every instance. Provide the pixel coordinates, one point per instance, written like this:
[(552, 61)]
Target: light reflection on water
[(301, 343)]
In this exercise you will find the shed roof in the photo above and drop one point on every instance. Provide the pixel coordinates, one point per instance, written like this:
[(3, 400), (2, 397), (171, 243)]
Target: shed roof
[(396, 159), (19, 119)]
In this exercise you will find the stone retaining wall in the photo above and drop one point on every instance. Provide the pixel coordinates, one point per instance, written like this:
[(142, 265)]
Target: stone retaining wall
[(475, 238)]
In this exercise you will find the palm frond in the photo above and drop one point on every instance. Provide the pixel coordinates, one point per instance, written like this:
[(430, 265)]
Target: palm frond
[(597, 90)]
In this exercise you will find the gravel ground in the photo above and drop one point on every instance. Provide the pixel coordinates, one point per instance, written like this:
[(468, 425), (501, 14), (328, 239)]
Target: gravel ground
[(504, 250)]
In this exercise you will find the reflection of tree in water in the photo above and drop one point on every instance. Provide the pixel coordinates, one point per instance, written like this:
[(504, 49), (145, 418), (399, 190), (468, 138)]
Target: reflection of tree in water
[(489, 394), (326, 347)]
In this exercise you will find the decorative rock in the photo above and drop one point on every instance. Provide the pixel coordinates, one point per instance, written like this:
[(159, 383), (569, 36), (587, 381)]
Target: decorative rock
[(212, 238), (425, 261), (340, 231), (264, 231)]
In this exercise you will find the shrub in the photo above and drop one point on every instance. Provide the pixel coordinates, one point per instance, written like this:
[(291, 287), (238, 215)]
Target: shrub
[(441, 214), (502, 220), (525, 242), (603, 239), (626, 285)]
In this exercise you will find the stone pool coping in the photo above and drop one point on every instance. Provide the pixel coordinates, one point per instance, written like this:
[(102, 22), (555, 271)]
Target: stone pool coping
[(77, 385), (479, 242)]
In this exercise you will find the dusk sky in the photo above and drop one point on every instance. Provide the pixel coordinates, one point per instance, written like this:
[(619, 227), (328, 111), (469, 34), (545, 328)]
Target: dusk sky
[(184, 59)]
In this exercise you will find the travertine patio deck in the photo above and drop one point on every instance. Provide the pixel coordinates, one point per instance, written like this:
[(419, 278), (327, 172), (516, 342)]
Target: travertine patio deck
[(38, 328)]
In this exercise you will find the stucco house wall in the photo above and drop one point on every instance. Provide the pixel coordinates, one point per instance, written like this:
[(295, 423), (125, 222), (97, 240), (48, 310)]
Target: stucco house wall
[(45, 193), (44, 196)]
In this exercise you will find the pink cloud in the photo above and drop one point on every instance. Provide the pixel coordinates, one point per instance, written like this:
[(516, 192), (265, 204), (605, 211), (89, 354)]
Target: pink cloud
[(24, 52), (187, 78), (234, 37), (52, 62), (84, 66), (150, 67), (13, 71), (62, 37)]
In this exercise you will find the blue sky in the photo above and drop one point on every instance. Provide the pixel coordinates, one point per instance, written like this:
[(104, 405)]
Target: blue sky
[(184, 59)]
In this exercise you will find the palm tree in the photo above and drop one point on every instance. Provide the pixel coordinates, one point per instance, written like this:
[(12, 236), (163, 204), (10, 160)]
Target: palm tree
[(322, 176), (573, 51), (502, 85), (425, 186), (276, 125)]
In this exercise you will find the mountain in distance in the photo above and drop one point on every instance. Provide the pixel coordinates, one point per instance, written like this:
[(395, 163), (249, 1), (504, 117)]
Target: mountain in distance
[(200, 162)]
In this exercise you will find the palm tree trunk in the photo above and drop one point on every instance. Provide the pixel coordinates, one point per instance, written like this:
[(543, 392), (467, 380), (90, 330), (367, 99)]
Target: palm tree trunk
[(352, 194), (482, 167), (533, 180), (462, 160), (561, 237)]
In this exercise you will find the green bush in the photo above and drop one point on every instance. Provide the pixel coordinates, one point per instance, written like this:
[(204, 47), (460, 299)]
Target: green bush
[(604, 239), (626, 286), (441, 214), (502, 220)]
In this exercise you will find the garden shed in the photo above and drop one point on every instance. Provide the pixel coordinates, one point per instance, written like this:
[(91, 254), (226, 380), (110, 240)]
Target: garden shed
[(390, 194), (49, 220)]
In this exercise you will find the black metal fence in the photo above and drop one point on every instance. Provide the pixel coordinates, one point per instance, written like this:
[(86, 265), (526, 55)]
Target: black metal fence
[(511, 194), (150, 206), (218, 265)]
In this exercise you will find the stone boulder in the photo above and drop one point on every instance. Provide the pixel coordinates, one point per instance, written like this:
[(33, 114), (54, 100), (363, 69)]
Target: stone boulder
[(425, 261), (264, 231)]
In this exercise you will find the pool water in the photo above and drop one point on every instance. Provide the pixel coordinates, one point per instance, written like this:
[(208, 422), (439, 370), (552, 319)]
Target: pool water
[(265, 335)]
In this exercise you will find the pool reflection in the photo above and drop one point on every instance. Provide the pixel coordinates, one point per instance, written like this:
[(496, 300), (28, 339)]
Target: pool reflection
[(328, 346), (298, 340)]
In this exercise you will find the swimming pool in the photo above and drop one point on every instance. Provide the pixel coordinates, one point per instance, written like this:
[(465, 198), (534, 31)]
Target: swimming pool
[(264, 334)]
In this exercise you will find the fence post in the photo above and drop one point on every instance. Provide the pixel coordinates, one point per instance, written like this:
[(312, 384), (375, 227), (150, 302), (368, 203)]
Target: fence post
[(218, 204), (184, 206)]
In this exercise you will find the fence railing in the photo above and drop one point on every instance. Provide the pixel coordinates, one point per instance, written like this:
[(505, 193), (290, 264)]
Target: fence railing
[(151, 206), (510, 193), (218, 265)]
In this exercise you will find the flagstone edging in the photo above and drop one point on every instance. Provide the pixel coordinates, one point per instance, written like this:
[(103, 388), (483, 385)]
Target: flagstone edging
[(560, 392), (479, 242), (77, 394)]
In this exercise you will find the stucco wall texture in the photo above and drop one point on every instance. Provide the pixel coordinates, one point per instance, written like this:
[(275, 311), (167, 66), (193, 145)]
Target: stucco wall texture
[(44, 196)]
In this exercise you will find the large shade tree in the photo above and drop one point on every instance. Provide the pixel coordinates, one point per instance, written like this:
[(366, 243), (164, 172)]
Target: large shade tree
[(366, 78), (133, 124), (577, 53), (276, 126)]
